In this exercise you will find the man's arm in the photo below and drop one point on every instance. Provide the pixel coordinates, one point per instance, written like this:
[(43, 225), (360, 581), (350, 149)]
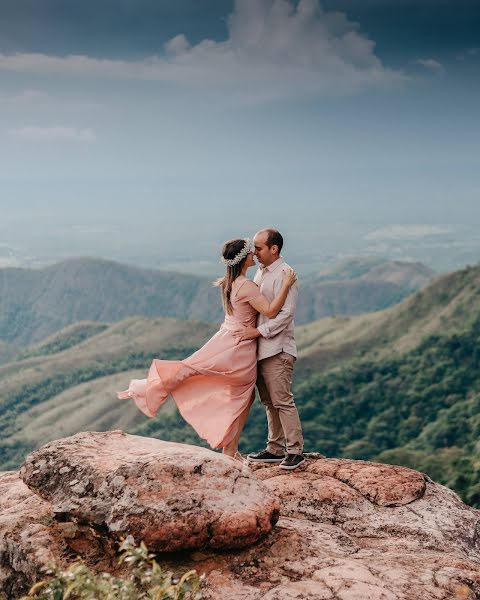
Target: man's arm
[(274, 326)]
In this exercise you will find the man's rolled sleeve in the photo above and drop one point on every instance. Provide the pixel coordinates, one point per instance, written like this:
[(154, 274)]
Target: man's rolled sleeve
[(264, 330)]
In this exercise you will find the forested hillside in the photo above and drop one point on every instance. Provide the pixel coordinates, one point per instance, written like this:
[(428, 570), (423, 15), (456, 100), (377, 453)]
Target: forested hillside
[(35, 304), (420, 409), (47, 396), (359, 285)]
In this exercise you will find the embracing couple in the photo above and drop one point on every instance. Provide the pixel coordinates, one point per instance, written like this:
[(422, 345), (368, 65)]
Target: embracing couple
[(214, 388)]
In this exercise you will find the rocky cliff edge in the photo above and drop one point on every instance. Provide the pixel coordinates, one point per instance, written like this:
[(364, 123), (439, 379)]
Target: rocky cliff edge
[(332, 530)]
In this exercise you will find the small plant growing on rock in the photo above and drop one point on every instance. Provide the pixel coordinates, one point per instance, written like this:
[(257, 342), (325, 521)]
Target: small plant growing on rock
[(146, 580)]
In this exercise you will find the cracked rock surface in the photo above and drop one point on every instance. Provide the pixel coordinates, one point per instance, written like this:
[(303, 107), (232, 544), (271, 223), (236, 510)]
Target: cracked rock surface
[(355, 530), (31, 539), (172, 496), (348, 530)]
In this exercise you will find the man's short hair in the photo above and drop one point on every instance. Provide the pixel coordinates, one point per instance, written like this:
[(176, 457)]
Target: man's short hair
[(274, 238)]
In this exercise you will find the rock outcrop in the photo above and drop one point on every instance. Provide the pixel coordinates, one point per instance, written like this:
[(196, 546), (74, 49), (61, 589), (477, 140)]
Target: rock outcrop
[(172, 496), (30, 539), (348, 530)]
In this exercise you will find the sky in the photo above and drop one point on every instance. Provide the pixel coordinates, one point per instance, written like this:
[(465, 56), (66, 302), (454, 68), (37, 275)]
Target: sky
[(151, 130)]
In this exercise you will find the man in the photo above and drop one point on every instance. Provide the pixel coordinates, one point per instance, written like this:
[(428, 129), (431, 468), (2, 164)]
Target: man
[(276, 356)]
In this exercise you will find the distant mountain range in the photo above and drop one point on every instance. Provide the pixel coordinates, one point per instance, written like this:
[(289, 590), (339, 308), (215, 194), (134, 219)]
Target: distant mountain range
[(400, 385), (35, 304), (357, 286)]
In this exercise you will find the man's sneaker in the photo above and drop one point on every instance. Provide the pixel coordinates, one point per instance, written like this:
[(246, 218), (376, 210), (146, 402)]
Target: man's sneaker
[(292, 461), (265, 457)]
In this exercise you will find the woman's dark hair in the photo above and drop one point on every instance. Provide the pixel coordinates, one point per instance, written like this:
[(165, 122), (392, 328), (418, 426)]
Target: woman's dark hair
[(229, 250)]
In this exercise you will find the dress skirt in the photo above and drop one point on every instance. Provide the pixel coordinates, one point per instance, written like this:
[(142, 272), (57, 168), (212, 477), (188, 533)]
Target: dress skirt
[(211, 388)]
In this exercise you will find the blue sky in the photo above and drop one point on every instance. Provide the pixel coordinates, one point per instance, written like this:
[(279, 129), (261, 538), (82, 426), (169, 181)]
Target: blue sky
[(146, 124)]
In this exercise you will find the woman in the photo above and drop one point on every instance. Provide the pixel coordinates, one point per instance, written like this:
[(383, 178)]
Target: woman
[(215, 387)]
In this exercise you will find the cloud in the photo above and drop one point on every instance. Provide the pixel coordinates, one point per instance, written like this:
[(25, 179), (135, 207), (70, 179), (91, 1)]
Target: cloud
[(408, 232), (53, 134), (430, 63), (29, 96), (469, 53), (275, 48), (32, 97)]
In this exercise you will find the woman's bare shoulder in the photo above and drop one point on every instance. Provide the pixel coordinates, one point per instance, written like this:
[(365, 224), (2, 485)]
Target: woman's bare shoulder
[(246, 283), (247, 290)]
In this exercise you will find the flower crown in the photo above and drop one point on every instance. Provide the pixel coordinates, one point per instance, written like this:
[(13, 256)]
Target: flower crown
[(249, 247)]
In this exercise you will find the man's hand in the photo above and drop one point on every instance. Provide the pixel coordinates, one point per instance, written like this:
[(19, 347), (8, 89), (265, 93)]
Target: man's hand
[(245, 333)]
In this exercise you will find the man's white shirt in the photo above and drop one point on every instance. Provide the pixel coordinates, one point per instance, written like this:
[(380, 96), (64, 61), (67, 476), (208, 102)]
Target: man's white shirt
[(277, 335)]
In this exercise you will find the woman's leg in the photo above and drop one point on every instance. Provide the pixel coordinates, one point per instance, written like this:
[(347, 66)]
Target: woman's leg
[(232, 447)]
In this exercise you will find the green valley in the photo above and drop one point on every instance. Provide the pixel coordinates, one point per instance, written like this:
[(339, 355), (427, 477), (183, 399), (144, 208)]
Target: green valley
[(400, 385)]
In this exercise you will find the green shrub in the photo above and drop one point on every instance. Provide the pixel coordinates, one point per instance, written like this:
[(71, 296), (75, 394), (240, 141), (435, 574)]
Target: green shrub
[(145, 580)]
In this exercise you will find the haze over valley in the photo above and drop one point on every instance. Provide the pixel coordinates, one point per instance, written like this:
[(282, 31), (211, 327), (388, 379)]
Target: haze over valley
[(168, 244)]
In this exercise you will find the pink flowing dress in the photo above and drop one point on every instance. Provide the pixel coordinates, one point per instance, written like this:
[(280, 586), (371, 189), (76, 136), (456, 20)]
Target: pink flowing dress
[(213, 386)]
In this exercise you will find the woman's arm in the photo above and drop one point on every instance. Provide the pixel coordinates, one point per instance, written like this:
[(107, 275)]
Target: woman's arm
[(271, 309)]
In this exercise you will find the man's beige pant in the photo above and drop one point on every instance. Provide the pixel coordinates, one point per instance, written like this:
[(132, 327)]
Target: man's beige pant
[(274, 380)]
